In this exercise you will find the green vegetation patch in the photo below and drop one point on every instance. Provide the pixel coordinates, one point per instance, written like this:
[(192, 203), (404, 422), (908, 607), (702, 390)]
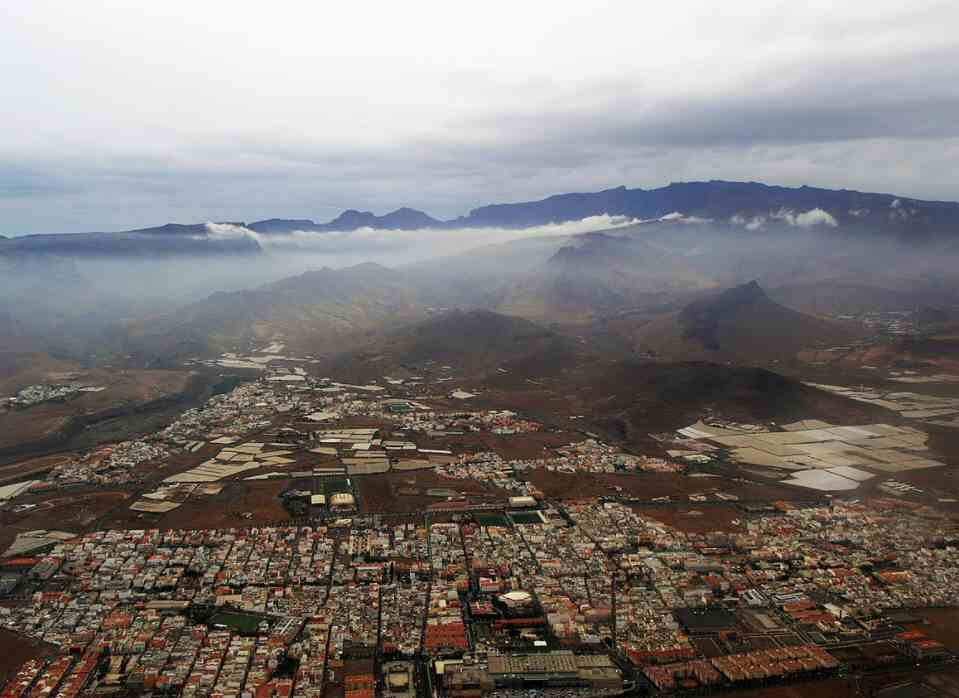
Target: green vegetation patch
[(240, 622), (486, 518), (526, 517)]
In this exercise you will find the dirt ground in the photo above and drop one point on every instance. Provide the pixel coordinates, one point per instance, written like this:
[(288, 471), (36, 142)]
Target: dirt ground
[(936, 680), (32, 466), (933, 355), (73, 512), (224, 510), (941, 624), (548, 400), (696, 518), (653, 485), (123, 387), (25, 367), (510, 446), (383, 493), (935, 482), (16, 649), (826, 688), (35, 423)]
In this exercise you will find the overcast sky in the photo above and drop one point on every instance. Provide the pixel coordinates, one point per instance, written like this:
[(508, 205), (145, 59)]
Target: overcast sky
[(121, 114)]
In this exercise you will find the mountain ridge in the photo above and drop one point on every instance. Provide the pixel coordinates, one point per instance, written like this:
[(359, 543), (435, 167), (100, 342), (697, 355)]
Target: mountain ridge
[(723, 201), (737, 323), (403, 218), (168, 240), (736, 203), (476, 342)]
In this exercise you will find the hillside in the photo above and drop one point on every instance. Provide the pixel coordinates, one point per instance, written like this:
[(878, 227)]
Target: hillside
[(849, 298), (96, 295), (594, 274), (170, 240), (640, 397), (318, 312), (740, 324), (471, 343)]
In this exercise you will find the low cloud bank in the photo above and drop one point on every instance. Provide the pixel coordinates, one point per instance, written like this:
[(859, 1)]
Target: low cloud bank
[(390, 247), (678, 217), (807, 219)]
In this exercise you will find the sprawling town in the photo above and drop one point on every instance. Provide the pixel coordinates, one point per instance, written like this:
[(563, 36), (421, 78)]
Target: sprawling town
[(484, 585)]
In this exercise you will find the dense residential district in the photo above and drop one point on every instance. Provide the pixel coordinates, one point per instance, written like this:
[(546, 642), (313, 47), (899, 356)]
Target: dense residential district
[(487, 592)]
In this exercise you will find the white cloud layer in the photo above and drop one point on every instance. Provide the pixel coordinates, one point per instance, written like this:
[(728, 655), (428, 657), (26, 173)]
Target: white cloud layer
[(806, 219), (403, 246)]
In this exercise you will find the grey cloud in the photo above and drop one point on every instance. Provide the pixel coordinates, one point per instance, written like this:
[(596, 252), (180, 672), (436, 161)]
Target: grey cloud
[(914, 96), (849, 98)]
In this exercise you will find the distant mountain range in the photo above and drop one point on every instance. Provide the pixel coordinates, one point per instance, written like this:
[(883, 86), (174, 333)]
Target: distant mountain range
[(170, 240), (748, 206), (400, 219), (736, 203), (744, 204)]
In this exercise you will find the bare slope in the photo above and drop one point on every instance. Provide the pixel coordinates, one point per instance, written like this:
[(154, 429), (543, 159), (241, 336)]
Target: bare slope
[(316, 312), (595, 274), (740, 324), (472, 343), (641, 397)]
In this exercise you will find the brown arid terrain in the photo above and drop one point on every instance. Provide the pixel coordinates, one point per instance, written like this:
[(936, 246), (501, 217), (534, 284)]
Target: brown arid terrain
[(124, 389), (122, 383), (739, 324), (696, 517), (649, 486), (475, 343), (935, 354), (31, 467), (21, 368), (323, 310), (406, 492), (519, 446), (76, 512), (940, 624), (827, 688), (650, 396), (626, 400), (239, 504), (15, 649)]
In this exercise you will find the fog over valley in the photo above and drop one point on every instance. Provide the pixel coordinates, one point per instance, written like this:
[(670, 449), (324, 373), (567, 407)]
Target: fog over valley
[(545, 260)]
